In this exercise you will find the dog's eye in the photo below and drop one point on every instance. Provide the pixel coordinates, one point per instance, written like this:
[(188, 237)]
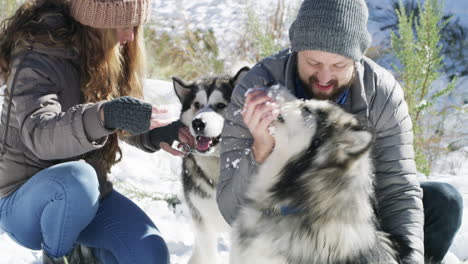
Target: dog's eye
[(197, 105), (221, 106), (306, 110)]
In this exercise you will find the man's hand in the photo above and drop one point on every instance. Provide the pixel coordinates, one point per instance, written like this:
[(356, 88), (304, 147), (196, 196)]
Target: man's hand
[(258, 112)]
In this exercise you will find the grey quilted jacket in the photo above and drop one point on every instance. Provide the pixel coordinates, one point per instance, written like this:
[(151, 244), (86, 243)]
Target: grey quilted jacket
[(375, 95), (48, 123)]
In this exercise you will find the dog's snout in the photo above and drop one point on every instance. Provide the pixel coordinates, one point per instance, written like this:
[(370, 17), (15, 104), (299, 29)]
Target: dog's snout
[(198, 125)]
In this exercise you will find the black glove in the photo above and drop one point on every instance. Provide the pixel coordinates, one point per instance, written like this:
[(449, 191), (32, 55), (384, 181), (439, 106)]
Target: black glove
[(127, 113), (167, 134)]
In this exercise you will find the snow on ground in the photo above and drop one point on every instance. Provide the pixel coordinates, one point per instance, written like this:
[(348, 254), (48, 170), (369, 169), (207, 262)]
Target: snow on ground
[(148, 179)]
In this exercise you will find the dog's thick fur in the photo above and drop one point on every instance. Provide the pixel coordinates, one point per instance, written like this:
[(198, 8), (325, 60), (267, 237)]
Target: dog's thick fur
[(310, 202), (204, 104)]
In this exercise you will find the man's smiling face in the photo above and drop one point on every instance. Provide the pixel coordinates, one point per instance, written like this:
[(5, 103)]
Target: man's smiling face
[(324, 75)]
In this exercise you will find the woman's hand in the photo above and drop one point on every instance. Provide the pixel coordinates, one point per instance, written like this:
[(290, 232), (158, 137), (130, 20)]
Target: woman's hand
[(185, 137), (127, 113), (134, 115), (158, 117)]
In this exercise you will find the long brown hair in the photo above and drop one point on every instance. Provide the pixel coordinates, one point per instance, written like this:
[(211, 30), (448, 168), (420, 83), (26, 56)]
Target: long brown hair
[(22, 28), (107, 69)]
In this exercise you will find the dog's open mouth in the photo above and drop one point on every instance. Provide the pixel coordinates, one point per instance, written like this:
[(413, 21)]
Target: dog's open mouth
[(204, 144)]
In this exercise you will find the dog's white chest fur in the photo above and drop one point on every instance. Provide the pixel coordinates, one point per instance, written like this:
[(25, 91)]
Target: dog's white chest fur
[(210, 166)]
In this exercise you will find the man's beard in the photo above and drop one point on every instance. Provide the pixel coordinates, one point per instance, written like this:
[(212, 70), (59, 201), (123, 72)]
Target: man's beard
[(338, 88)]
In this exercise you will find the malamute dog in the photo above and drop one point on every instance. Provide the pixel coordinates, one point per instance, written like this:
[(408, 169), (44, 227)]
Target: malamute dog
[(310, 202), (203, 108)]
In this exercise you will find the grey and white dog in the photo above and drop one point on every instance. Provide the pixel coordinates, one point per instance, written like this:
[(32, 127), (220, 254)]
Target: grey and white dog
[(204, 104), (311, 200)]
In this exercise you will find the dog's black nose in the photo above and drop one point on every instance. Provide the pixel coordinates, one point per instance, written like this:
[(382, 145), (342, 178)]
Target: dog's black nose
[(198, 125)]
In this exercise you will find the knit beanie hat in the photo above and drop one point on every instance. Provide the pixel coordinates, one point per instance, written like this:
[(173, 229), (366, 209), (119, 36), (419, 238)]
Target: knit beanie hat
[(335, 26), (110, 13)]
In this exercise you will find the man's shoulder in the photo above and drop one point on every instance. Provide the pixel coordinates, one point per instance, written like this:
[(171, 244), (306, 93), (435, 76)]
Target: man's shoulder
[(279, 57), (269, 69), (380, 86), (379, 83), (380, 75)]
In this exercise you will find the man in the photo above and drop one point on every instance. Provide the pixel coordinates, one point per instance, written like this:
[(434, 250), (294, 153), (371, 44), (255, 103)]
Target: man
[(326, 61)]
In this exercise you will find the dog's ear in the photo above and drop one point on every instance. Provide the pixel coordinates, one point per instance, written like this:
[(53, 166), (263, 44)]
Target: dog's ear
[(181, 88), (357, 141), (239, 75)]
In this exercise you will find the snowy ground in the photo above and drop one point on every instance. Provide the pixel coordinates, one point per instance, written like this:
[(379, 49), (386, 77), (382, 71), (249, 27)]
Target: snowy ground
[(151, 179)]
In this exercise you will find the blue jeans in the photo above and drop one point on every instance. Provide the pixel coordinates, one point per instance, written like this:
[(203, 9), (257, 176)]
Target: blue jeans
[(60, 206), (443, 210)]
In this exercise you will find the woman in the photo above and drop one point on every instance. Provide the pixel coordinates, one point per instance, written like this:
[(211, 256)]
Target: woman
[(73, 71)]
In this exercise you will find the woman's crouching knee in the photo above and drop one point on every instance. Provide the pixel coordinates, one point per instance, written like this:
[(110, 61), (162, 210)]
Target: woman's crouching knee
[(153, 251), (79, 182)]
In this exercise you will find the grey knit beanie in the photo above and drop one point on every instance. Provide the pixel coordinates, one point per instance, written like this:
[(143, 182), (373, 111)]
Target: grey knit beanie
[(335, 26)]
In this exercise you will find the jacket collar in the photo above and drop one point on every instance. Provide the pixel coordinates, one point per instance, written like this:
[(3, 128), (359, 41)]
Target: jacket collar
[(358, 101)]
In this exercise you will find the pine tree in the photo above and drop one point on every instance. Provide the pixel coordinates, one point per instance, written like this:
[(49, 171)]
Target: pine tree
[(418, 49)]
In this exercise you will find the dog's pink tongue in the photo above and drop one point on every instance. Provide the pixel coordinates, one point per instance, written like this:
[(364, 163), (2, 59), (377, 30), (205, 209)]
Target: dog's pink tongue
[(203, 143)]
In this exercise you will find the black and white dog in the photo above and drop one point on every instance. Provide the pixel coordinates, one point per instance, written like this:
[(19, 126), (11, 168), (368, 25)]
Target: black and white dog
[(204, 104), (310, 201)]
